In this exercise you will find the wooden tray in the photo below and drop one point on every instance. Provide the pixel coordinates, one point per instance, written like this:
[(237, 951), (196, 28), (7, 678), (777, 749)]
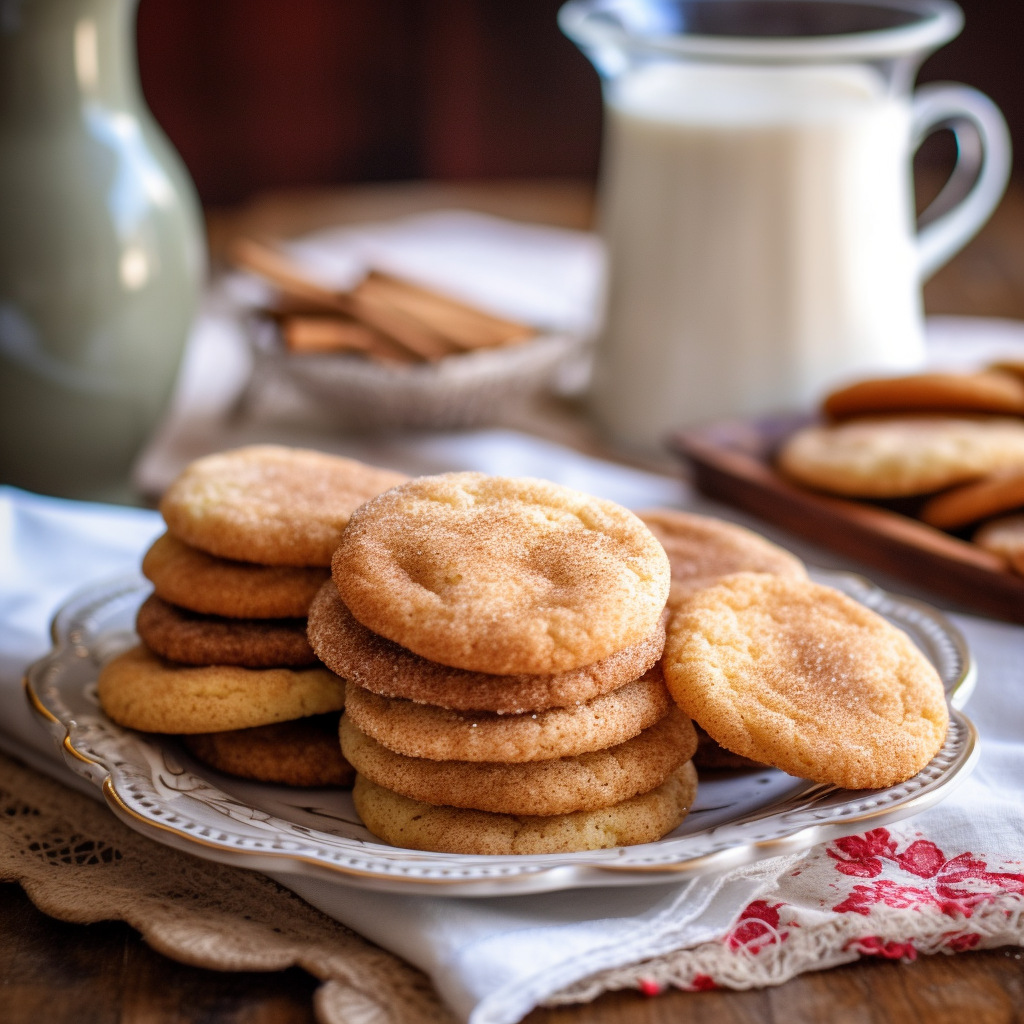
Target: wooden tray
[(732, 461)]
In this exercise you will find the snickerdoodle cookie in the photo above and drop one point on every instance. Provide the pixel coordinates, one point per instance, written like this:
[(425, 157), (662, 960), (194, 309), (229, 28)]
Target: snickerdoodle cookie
[(1004, 537), (140, 690), (415, 825), (380, 665), (901, 456), (192, 579), (194, 639), (802, 677), (502, 575), (702, 549), (270, 504), (1000, 492), (303, 752), (988, 391), (422, 730), (557, 786)]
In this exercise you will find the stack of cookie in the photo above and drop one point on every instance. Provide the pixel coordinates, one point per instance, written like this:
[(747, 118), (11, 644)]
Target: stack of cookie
[(501, 639), (224, 660)]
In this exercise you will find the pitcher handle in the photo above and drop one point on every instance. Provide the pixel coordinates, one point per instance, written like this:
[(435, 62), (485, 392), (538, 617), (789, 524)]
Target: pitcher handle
[(983, 155)]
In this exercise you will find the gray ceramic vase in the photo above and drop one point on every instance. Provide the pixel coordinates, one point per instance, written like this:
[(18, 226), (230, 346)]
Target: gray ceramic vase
[(101, 250)]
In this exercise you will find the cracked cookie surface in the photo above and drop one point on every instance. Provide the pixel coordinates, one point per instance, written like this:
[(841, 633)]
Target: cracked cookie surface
[(501, 575), (799, 676), (270, 504)]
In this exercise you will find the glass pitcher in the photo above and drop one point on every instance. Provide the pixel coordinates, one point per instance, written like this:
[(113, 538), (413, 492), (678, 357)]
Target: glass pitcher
[(757, 198)]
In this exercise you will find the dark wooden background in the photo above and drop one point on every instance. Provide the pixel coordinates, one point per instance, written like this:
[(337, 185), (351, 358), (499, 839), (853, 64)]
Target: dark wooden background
[(260, 94)]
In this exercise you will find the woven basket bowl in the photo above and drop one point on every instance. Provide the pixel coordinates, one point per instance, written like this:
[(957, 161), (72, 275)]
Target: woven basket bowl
[(465, 390)]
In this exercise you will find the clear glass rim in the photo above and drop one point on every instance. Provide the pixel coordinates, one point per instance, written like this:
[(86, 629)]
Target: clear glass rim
[(936, 23)]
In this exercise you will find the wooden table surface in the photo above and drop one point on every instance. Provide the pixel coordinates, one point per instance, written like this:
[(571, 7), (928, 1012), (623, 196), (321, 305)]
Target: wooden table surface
[(57, 973)]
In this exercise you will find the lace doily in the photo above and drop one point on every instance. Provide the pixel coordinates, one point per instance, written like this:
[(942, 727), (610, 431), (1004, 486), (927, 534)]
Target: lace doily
[(77, 862)]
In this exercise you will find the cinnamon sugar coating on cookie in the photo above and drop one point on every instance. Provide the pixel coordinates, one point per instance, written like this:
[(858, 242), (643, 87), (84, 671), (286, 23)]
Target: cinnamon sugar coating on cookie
[(421, 730), (702, 549), (303, 752), (420, 826), (385, 668), (194, 639), (142, 691), (797, 675), (557, 786), (501, 575), (270, 504), (193, 579)]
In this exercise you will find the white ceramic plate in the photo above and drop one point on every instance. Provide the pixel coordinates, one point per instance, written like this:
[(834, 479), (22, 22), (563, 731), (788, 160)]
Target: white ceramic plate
[(152, 783)]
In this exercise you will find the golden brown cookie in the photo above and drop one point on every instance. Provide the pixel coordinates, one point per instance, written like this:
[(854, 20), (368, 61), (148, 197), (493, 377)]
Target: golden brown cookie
[(304, 752), (194, 639), (270, 504), (558, 786), (192, 579), (501, 575), (802, 677), (414, 825), (1000, 492), (1011, 366), (701, 550), (140, 690), (422, 730), (1004, 537), (380, 665), (714, 757), (900, 456), (988, 391)]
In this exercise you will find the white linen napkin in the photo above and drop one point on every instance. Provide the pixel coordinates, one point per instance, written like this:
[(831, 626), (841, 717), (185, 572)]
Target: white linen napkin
[(494, 959)]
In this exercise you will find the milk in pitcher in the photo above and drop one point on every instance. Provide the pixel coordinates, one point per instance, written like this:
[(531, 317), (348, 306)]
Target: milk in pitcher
[(760, 222)]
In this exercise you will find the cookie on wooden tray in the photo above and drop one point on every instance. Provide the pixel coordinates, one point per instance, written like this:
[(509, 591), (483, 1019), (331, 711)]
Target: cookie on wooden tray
[(557, 786), (304, 752), (142, 691), (1004, 537), (501, 575), (797, 675), (1001, 492), (415, 825), (270, 504), (193, 579), (386, 668), (422, 730), (901, 456), (1011, 366), (989, 391), (194, 639), (702, 549)]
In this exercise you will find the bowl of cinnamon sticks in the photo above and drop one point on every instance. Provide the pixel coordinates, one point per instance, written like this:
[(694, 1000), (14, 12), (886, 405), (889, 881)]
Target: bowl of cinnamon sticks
[(388, 353)]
